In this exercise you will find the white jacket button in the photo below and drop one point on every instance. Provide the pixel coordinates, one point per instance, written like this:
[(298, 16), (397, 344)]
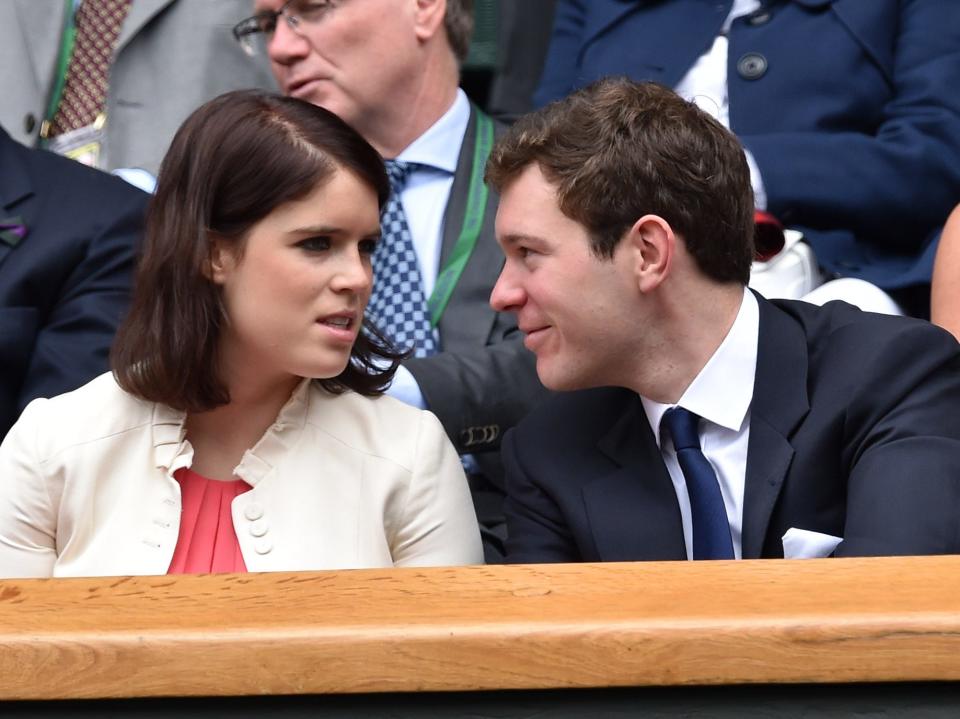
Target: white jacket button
[(259, 528), (263, 546), (253, 511)]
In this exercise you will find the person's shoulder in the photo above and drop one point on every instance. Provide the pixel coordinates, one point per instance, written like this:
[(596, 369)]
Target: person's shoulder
[(94, 411), (578, 416), (54, 174), (381, 426), (840, 323)]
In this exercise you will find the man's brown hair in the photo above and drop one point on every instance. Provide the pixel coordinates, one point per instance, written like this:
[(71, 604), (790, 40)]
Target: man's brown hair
[(458, 23), (233, 161), (617, 150)]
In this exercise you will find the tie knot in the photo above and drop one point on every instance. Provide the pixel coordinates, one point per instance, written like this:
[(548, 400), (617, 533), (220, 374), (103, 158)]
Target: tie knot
[(683, 426), (398, 172)]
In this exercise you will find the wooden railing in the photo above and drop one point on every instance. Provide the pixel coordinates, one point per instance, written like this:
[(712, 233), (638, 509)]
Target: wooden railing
[(482, 628)]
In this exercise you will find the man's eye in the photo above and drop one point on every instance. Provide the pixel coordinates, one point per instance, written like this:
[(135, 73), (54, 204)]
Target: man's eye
[(312, 9), (315, 244)]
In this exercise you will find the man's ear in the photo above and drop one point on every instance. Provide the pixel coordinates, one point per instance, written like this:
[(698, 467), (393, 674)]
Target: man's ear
[(429, 18), (220, 262), (653, 243)]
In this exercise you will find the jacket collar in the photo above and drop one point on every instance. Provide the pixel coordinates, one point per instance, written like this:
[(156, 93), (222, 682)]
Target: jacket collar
[(172, 449), (780, 402), (633, 510)]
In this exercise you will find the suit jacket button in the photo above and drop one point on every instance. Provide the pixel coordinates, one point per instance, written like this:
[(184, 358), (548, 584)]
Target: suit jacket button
[(258, 528), (263, 546), (29, 122), (752, 66), (253, 511)]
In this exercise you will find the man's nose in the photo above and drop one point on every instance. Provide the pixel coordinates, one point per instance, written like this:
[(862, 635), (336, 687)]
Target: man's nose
[(287, 43), (507, 294)]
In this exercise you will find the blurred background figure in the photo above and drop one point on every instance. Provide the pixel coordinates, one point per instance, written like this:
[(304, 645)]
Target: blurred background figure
[(945, 298), (848, 111), (68, 236), (109, 81), (242, 427)]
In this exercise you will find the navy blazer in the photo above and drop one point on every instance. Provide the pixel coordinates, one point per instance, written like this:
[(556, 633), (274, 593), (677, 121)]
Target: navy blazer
[(850, 107), (65, 286), (854, 432)]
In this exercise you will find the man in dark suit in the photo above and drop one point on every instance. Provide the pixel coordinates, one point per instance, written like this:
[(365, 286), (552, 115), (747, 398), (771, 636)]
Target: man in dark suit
[(67, 242), (391, 70), (699, 420), (849, 110)]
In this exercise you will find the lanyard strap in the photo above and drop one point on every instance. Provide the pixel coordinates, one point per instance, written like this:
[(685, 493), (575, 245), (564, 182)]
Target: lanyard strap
[(63, 62), (472, 222)]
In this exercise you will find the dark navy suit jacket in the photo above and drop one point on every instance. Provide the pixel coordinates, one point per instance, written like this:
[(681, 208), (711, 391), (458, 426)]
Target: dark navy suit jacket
[(65, 286), (854, 432), (852, 110)]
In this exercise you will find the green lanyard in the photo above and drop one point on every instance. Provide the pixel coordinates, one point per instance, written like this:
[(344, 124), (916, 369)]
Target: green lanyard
[(472, 222), (63, 61)]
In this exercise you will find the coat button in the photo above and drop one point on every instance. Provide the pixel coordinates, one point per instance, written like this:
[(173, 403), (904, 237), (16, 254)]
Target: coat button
[(752, 66), (263, 546), (29, 122), (258, 529), (253, 511), (759, 18)]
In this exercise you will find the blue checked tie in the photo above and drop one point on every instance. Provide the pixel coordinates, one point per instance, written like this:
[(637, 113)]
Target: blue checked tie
[(398, 304), (711, 531)]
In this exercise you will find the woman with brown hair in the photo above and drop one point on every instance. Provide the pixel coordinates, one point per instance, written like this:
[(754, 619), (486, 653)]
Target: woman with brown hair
[(242, 427)]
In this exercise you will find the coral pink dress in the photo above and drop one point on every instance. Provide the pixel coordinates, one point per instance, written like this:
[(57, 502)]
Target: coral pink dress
[(207, 542)]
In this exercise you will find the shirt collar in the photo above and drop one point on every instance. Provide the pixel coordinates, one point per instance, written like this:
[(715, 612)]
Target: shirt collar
[(723, 390), (439, 146)]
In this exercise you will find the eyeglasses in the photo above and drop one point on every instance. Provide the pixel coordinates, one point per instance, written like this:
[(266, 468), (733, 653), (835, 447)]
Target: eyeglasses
[(255, 33)]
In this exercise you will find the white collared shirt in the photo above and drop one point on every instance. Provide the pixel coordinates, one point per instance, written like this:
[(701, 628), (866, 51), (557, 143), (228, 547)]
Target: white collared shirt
[(721, 394), (425, 196)]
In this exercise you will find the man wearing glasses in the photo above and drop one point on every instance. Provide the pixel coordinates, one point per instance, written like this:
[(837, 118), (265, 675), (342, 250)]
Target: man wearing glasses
[(391, 69)]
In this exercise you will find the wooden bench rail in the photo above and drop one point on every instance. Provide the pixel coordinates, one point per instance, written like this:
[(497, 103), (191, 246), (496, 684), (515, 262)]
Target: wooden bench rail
[(480, 628)]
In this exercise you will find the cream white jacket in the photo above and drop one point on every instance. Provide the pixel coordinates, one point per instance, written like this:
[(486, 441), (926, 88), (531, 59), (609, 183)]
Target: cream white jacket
[(339, 481)]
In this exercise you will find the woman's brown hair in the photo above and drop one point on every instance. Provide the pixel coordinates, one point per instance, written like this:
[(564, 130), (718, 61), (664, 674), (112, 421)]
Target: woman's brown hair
[(233, 161)]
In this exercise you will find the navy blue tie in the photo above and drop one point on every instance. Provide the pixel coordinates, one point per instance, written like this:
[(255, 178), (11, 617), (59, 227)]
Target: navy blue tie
[(711, 531)]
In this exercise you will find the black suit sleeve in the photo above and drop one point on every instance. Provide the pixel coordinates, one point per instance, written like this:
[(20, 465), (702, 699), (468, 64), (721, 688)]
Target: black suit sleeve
[(477, 394), (73, 344), (536, 529), (903, 492)]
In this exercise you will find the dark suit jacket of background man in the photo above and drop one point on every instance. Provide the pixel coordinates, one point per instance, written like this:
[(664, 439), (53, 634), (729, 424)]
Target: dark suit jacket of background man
[(850, 108), (854, 432), (66, 285)]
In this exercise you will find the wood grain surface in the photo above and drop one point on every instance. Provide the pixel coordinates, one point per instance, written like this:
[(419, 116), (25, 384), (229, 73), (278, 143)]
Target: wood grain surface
[(477, 628)]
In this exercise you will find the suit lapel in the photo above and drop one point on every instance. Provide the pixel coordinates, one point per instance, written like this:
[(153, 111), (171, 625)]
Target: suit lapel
[(468, 317), (779, 403), (141, 12), (15, 187), (633, 511), (42, 20)]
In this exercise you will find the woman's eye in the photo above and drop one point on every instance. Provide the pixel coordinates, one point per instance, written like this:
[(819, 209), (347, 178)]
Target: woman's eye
[(368, 246), (315, 244)]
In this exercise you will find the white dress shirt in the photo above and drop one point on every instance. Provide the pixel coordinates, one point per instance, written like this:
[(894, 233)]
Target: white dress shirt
[(705, 84), (721, 395), (424, 201)]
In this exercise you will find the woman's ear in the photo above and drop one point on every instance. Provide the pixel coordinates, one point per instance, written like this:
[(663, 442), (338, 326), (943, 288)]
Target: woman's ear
[(221, 261), (652, 242)]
